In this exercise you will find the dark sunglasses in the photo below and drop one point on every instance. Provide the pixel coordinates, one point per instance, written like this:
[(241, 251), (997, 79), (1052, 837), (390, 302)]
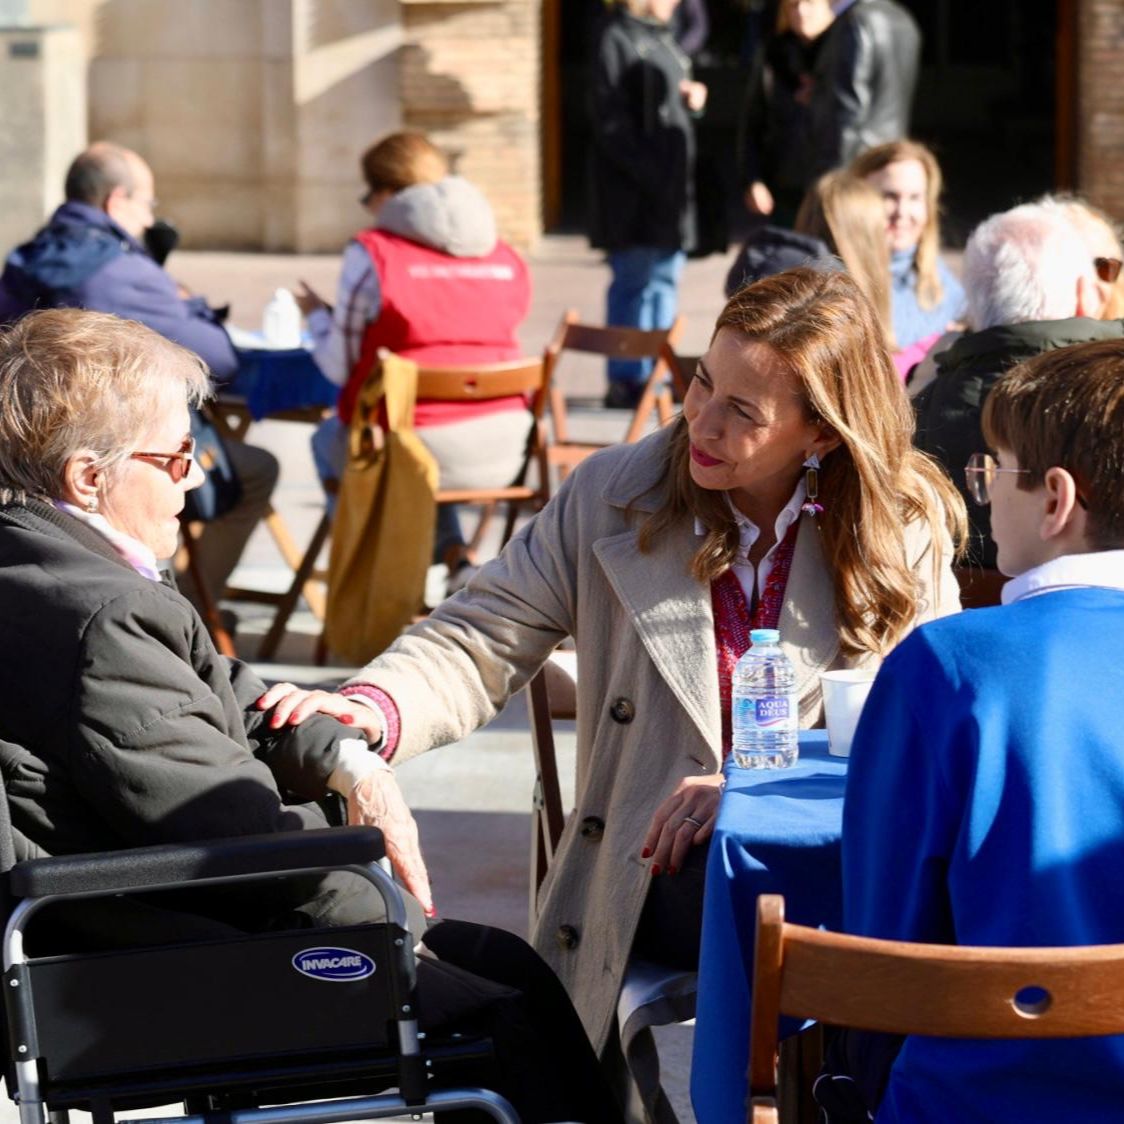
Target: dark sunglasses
[(178, 464), (1108, 269)]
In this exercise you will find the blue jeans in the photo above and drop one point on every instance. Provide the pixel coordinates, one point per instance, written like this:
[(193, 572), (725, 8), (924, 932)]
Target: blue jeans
[(642, 294)]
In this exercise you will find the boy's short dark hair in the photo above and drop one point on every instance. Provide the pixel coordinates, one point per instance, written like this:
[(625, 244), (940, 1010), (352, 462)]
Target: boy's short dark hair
[(1065, 409)]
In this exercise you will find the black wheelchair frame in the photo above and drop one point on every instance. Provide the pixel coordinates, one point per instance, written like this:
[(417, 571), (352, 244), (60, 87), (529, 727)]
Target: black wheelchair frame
[(239, 1029)]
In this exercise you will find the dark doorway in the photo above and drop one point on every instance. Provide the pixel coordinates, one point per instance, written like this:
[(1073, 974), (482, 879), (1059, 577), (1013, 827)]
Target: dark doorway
[(986, 101)]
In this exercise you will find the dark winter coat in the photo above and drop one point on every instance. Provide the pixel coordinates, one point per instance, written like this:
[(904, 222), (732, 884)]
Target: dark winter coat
[(776, 139), (949, 409), (643, 158), (83, 259), (123, 727), (773, 249), (864, 78)]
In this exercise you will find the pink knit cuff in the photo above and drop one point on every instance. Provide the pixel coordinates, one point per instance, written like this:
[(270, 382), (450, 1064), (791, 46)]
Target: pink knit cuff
[(388, 710)]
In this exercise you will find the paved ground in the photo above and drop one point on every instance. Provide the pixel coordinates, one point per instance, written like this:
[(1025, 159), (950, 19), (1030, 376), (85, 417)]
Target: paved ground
[(472, 800)]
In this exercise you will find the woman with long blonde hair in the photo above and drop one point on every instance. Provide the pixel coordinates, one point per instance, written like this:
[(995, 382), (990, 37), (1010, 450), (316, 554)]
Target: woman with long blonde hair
[(847, 214), (789, 495), (927, 299)]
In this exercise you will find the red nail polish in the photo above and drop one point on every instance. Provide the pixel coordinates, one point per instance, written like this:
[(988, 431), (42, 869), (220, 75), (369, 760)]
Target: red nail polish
[(646, 853), (672, 870), (346, 719), (655, 869)]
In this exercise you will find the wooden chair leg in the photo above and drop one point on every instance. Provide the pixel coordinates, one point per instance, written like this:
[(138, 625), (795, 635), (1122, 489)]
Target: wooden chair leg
[(288, 602), (224, 642)]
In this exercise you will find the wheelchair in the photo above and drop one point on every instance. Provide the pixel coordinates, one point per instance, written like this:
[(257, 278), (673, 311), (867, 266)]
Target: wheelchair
[(286, 1027)]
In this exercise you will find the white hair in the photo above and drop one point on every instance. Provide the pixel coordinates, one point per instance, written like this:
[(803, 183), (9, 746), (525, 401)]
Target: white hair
[(1023, 265)]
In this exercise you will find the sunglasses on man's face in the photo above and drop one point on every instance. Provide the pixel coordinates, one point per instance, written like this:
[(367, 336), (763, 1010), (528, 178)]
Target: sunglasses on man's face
[(1108, 269)]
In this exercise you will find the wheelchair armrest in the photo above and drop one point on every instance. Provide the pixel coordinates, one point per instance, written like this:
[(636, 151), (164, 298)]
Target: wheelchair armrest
[(170, 864)]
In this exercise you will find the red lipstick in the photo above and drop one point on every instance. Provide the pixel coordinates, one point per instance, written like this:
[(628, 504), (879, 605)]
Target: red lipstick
[(699, 457)]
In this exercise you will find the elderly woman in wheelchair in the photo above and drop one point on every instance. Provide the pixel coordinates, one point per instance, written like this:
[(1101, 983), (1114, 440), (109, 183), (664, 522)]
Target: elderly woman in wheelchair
[(122, 727)]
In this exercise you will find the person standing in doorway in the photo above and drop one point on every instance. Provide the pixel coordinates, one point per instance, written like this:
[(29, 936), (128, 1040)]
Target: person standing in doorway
[(643, 106)]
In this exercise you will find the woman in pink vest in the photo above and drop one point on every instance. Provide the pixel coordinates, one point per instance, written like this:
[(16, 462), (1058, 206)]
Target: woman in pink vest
[(430, 281)]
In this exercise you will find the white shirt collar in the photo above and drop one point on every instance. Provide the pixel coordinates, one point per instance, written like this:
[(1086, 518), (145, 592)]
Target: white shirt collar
[(135, 553), (1102, 568), (749, 532)]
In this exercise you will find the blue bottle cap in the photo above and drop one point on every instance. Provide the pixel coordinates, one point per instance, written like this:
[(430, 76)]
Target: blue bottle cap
[(765, 636)]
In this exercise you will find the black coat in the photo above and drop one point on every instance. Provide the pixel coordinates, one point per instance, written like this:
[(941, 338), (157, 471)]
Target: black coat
[(643, 157), (949, 409), (865, 77), (776, 141), (126, 728), (773, 249)]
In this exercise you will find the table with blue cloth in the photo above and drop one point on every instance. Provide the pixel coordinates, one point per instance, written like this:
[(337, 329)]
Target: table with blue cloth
[(273, 382), (778, 832)]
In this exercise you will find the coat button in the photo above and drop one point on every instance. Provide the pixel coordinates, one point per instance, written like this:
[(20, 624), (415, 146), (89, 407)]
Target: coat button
[(567, 937), (592, 828), (622, 711)]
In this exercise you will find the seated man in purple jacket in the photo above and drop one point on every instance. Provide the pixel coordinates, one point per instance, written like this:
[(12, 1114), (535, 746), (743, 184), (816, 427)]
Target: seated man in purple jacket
[(91, 255)]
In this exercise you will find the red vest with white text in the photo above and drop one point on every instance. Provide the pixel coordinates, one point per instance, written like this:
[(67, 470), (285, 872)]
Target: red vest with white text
[(442, 310)]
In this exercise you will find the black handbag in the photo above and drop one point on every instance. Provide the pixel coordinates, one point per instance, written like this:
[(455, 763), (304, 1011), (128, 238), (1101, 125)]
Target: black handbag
[(221, 489)]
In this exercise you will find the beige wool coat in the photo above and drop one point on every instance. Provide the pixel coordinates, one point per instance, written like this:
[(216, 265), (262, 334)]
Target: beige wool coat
[(648, 705)]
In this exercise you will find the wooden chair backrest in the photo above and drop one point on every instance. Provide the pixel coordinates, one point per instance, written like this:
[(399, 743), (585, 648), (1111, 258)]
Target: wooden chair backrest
[(478, 383), (900, 987), (618, 343)]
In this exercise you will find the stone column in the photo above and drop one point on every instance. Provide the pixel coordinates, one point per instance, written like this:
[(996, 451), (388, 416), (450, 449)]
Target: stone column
[(42, 126)]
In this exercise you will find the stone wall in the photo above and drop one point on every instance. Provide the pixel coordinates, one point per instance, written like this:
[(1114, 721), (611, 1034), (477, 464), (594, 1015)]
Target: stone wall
[(1100, 108), (251, 112), (470, 74)]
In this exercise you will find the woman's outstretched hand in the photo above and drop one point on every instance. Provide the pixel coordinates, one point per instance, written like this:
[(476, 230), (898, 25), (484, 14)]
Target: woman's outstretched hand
[(685, 818), (292, 705)]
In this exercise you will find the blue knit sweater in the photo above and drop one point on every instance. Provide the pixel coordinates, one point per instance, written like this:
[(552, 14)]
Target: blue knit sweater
[(985, 805), (911, 321)]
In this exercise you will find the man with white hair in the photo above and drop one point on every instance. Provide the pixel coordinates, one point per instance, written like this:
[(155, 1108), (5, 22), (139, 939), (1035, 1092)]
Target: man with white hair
[(1032, 285)]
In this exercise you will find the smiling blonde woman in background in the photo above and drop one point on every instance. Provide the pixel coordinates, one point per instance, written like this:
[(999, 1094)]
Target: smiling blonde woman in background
[(927, 299), (658, 558)]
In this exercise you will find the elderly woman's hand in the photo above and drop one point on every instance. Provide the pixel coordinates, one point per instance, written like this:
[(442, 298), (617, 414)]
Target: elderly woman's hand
[(377, 801), (292, 705), (685, 818)]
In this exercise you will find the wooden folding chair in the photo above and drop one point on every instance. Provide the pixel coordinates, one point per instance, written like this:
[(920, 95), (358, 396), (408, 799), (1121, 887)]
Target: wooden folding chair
[(208, 606), (652, 994), (477, 383), (663, 386), (943, 991)]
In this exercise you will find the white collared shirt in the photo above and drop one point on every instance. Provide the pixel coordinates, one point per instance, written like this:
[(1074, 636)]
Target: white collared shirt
[(1102, 568), (752, 579)]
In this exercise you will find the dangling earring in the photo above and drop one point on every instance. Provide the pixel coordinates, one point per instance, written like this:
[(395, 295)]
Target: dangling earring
[(92, 505), (812, 487)]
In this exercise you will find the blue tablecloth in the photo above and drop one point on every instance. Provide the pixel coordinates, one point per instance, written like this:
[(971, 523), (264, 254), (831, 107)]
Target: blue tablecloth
[(777, 832), (272, 381)]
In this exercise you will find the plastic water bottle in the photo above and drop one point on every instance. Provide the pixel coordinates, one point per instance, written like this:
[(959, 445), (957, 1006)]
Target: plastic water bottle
[(281, 324), (765, 705)]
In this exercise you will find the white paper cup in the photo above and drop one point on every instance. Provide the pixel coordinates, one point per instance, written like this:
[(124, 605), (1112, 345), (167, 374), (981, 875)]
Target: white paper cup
[(844, 693)]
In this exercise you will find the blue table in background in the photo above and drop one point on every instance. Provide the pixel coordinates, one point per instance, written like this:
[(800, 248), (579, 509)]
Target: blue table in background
[(273, 382), (778, 831)]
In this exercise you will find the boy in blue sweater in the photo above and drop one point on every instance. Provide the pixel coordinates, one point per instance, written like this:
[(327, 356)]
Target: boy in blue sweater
[(985, 797)]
